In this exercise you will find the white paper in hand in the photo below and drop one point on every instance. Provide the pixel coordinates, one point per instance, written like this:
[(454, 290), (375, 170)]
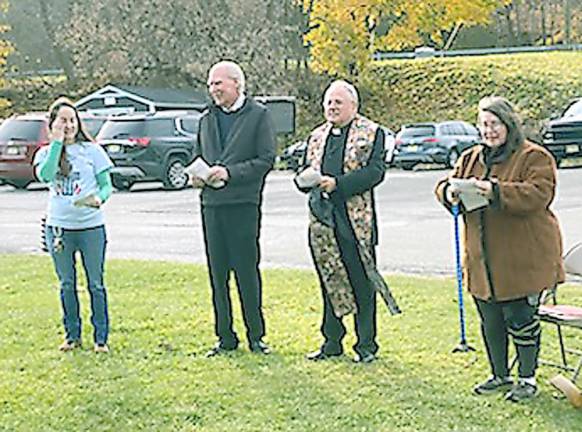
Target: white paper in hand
[(463, 185), (86, 201), (199, 168), (308, 178), (468, 193)]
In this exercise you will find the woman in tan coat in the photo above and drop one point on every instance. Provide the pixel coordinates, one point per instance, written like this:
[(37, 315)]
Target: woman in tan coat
[(512, 246)]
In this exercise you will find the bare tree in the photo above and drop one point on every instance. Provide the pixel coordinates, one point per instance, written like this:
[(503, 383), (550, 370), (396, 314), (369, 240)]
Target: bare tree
[(46, 14), (163, 43)]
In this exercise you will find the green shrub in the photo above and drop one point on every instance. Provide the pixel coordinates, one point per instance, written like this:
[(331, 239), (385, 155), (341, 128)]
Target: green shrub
[(398, 92)]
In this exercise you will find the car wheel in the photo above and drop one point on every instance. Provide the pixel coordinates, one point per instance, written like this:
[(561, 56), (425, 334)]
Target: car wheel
[(452, 158), (175, 177), (408, 166), (121, 183), (19, 184)]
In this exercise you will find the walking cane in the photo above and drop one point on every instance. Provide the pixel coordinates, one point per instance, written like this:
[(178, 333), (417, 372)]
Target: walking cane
[(463, 345)]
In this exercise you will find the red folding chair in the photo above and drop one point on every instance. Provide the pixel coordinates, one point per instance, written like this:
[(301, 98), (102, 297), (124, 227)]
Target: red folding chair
[(564, 315)]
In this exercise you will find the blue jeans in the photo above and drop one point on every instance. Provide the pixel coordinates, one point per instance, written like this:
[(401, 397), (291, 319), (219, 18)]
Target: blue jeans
[(91, 245)]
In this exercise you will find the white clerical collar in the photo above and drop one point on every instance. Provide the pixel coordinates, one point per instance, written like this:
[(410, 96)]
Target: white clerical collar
[(337, 130), (236, 105)]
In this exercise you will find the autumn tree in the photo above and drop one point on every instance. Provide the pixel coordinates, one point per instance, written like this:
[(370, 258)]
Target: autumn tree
[(344, 34), (173, 43), (540, 22)]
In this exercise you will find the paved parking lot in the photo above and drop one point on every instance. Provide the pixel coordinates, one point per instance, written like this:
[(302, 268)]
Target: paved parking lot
[(150, 223)]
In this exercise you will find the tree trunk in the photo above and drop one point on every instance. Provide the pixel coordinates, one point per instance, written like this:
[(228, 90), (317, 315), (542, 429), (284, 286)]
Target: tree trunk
[(452, 36), (518, 29), (60, 55), (543, 22), (510, 34), (552, 22), (567, 21), (532, 32)]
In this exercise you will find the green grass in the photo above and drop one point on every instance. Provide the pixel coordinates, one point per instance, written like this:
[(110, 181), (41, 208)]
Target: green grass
[(157, 379)]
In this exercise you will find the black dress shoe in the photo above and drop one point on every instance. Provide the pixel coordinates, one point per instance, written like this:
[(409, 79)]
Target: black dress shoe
[(320, 355), (219, 349), (364, 357), (259, 347)]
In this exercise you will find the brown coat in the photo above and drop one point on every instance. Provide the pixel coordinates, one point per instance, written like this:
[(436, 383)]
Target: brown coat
[(516, 240)]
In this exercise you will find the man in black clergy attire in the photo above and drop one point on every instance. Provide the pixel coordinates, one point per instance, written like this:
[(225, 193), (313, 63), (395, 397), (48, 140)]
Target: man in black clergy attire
[(348, 151)]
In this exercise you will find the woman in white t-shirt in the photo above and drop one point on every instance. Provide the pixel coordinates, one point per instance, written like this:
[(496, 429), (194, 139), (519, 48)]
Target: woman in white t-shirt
[(77, 171)]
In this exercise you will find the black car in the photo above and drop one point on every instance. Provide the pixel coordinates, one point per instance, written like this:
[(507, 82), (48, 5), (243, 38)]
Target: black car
[(563, 136), (433, 143), (93, 122), (150, 147)]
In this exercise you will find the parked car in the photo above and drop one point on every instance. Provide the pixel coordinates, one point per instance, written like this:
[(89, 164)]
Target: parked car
[(563, 136), (292, 156), (20, 138), (389, 145), (93, 122), (150, 147), (434, 143)]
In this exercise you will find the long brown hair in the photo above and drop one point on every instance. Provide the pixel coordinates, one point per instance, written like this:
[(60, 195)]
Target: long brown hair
[(82, 135)]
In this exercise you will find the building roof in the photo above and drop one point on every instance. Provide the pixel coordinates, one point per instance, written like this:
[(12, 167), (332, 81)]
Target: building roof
[(155, 98), (165, 95)]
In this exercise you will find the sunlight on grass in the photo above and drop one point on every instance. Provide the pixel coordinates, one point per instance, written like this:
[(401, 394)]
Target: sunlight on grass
[(156, 377)]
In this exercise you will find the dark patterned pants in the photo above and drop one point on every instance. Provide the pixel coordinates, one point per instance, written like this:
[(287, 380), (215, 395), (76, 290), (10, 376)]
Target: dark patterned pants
[(519, 319)]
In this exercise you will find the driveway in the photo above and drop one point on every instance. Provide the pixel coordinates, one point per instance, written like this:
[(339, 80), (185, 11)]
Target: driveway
[(150, 223)]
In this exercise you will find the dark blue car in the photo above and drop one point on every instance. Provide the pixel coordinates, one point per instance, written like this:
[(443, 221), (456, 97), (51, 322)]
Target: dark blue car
[(433, 143)]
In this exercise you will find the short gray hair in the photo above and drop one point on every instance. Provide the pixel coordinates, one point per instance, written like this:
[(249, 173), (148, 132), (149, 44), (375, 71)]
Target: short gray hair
[(347, 87), (235, 72)]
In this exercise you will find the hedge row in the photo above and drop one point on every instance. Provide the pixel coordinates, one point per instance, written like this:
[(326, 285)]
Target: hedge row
[(399, 92)]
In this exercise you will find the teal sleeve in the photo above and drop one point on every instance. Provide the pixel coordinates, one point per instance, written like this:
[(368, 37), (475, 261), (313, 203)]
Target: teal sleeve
[(104, 183), (47, 169)]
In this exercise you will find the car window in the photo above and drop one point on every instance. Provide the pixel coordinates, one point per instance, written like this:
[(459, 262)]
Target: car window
[(92, 125), (574, 110), (114, 129), (446, 129), (470, 129), (417, 131), (21, 130), (457, 129), (189, 124), (161, 127)]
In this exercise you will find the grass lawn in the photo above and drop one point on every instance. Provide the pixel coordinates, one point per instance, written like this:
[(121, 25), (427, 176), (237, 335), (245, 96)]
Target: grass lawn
[(157, 379)]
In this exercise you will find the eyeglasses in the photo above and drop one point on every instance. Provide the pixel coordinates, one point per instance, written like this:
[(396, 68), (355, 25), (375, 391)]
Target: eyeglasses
[(494, 125)]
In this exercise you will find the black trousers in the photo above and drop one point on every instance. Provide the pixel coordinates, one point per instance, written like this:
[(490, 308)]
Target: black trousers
[(231, 238), (332, 327), (517, 318)]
